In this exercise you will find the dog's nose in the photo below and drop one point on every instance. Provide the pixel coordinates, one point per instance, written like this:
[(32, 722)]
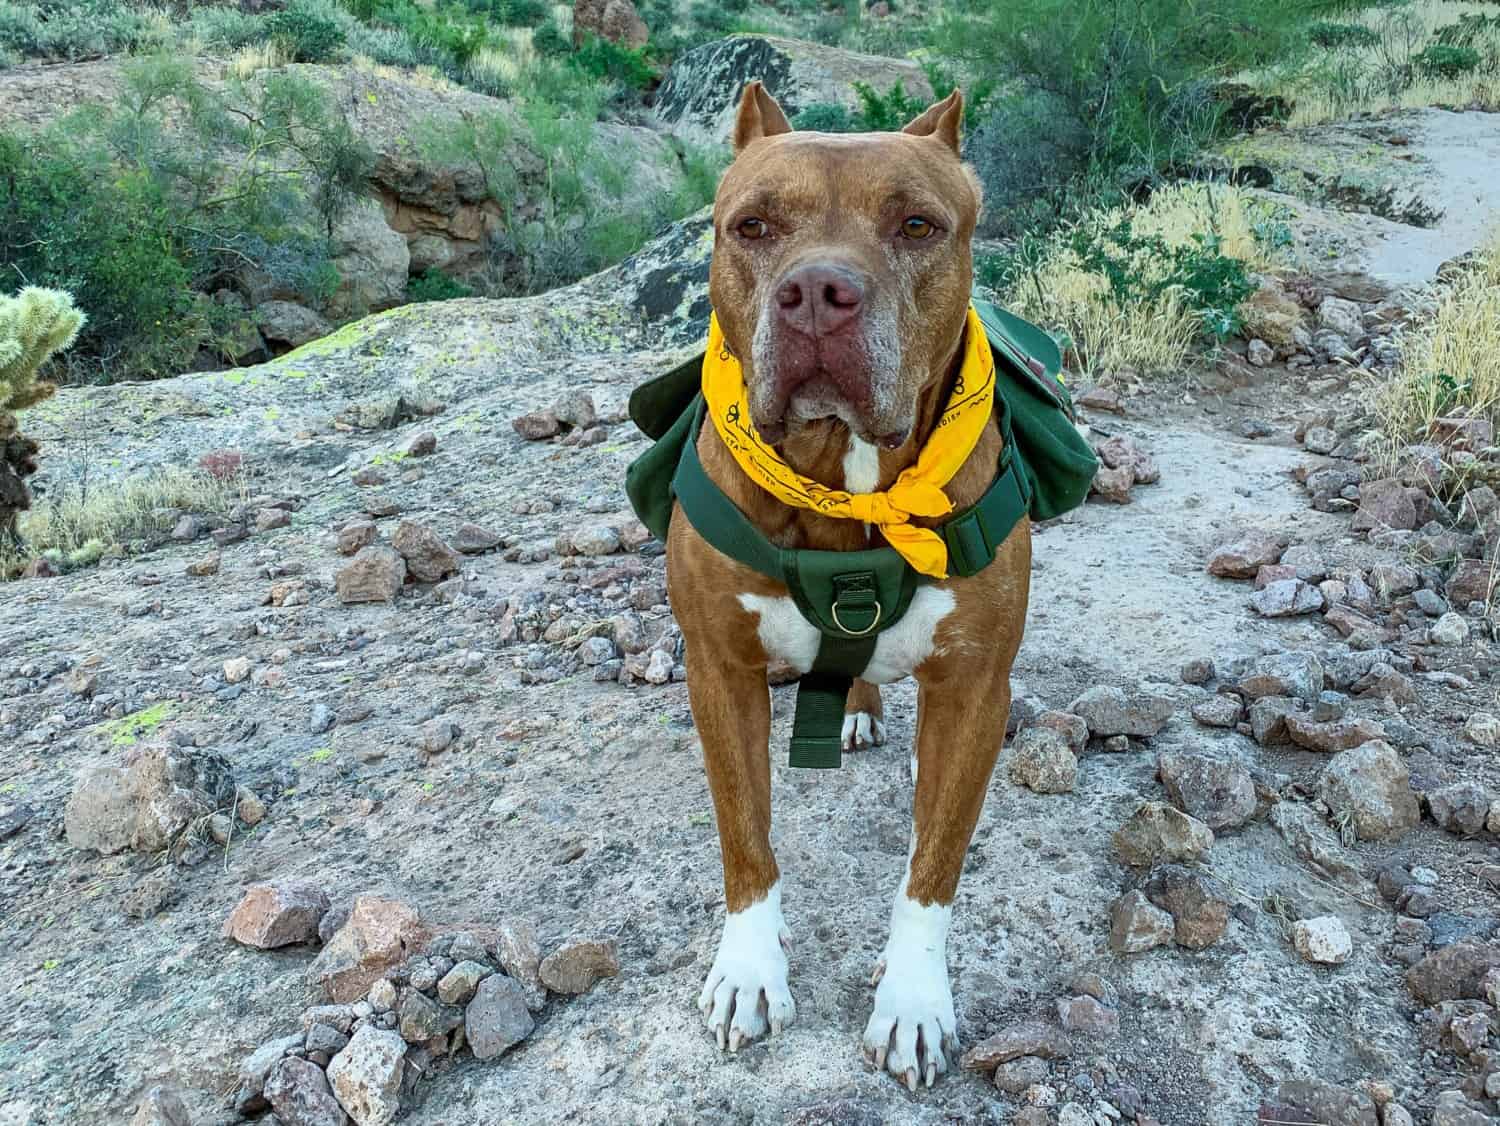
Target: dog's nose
[(819, 299)]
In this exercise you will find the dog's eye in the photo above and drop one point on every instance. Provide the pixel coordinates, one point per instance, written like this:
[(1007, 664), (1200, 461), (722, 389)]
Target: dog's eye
[(916, 227), (753, 228)]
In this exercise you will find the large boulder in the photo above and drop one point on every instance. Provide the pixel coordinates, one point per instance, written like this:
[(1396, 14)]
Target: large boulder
[(614, 20), (372, 262), (697, 99), (145, 803)]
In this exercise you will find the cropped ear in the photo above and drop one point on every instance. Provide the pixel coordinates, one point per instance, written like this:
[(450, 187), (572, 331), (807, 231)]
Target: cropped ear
[(760, 115), (943, 120)]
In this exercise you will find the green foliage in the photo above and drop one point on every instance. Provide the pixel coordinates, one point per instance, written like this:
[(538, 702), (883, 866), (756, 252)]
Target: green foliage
[(1469, 30), (1333, 36), (434, 285), (309, 32), (74, 29), (826, 117), (977, 96), (601, 59), (1439, 60), (888, 112), (1211, 283), (549, 40)]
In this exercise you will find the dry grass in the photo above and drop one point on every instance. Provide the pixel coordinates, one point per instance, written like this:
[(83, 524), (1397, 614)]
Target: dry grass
[(74, 527), (1336, 83), (255, 57), (1149, 337)]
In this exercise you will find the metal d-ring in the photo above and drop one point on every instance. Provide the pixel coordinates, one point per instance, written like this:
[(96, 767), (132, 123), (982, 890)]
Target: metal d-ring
[(855, 632)]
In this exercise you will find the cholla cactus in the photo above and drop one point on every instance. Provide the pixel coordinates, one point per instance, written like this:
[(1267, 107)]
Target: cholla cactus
[(34, 325)]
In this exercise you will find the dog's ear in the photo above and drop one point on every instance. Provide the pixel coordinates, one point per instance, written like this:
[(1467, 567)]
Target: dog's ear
[(943, 120), (760, 116)]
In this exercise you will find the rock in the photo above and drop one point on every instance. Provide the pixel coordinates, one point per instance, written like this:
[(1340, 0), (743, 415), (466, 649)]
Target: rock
[(698, 98), (1336, 735), (298, 1092), (576, 410), (1384, 683), (1286, 598), (375, 575), (1296, 674), (379, 935), (1242, 558), (1322, 1102), (382, 996), (1370, 786), (1268, 720), (475, 539), (595, 539), (146, 803), (1041, 760), (1200, 670), (1027, 1038), (458, 984), (152, 894), (1453, 973), (519, 953), (237, 670), (497, 1018), (1470, 582), (355, 535), (1199, 906), (1156, 832), (1014, 1076), (372, 262), (1323, 940), (288, 324), (1450, 629), (1217, 792), (366, 1075), (1459, 807), (428, 558), (1343, 317), (1088, 1016), (1483, 729), (614, 20), (1113, 483), (1219, 710), (1259, 353), (1458, 1112), (205, 567), (269, 519), (576, 965), (1272, 315), (1100, 399), (161, 1106), (1135, 925), (1387, 504), (422, 1019), (536, 426), (277, 914), (1110, 711), (258, 1064)]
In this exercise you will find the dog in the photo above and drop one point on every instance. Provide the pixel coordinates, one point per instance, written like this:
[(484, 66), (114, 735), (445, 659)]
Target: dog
[(841, 277)]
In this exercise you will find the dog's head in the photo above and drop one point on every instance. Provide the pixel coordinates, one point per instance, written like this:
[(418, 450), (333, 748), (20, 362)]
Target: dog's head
[(842, 267)]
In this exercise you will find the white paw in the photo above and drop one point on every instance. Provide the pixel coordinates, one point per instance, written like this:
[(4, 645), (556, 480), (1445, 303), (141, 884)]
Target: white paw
[(913, 1032), (861, 730), (746, 994)]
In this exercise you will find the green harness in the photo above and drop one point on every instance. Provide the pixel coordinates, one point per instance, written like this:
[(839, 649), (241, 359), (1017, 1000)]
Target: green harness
[(851, 597)]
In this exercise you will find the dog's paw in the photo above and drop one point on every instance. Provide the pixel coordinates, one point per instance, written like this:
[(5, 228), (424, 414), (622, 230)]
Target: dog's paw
[(745, 994), (861, 730), (912, 1033)]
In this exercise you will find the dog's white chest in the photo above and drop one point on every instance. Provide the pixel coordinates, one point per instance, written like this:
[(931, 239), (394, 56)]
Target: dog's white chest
[(786, 634)]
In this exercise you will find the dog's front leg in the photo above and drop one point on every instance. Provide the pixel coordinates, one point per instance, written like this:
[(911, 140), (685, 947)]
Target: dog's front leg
[(912, 1031), (746, 991)]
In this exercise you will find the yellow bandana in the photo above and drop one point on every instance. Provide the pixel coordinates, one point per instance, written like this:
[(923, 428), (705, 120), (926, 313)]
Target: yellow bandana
[(918, 491)]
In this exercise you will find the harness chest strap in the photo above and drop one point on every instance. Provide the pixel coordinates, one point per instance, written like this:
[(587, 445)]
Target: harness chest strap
[(851, 597)]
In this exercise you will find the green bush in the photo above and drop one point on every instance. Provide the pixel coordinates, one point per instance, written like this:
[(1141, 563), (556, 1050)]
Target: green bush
[(74, 29), (826, 117), (308, 31), (227, 29), (1333, 36), (434, 285), (549, 40), (1470, 30), (601, 59), (1438, 60)]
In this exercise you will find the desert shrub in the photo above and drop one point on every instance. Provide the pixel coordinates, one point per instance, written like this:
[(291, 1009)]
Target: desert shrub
[(888, 112), (1139, 286), (826, 117), (1439, 60), (76, 29), (602, 60), (311, 33), (226, 29), (435, 285), (1332, 36), (549, 40)]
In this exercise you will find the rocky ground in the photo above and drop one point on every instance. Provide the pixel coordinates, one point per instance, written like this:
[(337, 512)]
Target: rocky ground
[(382, 791)]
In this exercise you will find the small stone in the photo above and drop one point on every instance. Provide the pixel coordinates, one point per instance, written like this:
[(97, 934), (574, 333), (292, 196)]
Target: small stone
[(1470, 582), (1199, 906), (1243, 557), (150, 896), (324, 1038), (458, 984), (1042, 761), (379, 934), (299, 1093), (1459, 807), (519, 953), (355, 535), (1370, 786), (1483, 729), (248, 807), (1217, 792), (1317, 1101), (203, 568), (422, 445), (1338, 735), (1136, 925), (366, 1076), (428, 558), (1453, 973), (1027, 1038), (437, 735), (1111, 711), (576, 410), (1197, 671), (576, 965), (382, 996), (1286, 598), (269, 519), (475, 539), (421, 1018), (1450, 629), (1259, 353), (1323, 940), (596, 650), (497, 1018), (1156, 832), (237, 670), (1014, 1076), (272, 915), (658, 668), (1069, 726), (375, 575), (1296, 674), (1088, 1016), (538, 425), (1219, 710), (596, 539)]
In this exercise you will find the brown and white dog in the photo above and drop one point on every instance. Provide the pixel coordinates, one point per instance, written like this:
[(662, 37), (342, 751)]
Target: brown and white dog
[(841, 275)]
